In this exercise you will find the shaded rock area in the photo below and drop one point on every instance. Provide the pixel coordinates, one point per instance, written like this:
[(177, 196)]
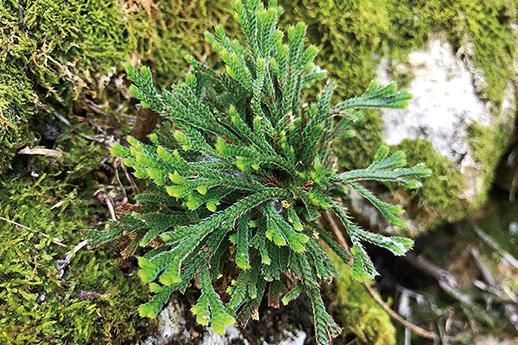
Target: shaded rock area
[(445, 106), (507, 173), (451, 117), (290, 326)]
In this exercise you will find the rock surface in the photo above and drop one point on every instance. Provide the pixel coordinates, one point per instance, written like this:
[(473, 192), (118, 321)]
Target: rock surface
[(448, 103), (445, 104), (174, 327)]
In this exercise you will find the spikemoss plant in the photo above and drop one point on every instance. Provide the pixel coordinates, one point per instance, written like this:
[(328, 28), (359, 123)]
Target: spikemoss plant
[(244, 174)]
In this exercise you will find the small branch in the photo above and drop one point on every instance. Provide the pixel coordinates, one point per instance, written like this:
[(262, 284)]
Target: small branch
[(509, 306), (61, 265), (484, 270), (54, 240), (407, 324), (337, 231), (374, 294), (445, 279), (40, 151), (511, 260), (105, 198)]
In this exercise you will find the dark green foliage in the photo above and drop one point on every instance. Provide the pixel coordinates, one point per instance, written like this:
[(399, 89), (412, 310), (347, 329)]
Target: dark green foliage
[(241, 187)]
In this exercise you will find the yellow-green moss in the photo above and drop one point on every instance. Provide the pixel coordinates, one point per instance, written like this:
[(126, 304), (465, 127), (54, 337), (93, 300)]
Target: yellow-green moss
[(488, 144), (439, 198), (57, 53), (352, 33), (171, 29), (361, 317), (50, 51), (349, 34), (15, 100), (356, 148), (94, 301)]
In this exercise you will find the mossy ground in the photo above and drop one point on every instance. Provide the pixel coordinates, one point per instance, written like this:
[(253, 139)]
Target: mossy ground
[(64, 60), (57, 58), (94, 301)]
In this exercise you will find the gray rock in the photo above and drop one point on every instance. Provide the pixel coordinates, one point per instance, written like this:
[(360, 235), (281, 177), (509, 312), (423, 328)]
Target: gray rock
[(173, 329), (447, 101)]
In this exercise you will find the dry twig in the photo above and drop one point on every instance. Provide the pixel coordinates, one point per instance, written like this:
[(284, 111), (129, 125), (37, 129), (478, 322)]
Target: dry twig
[(54, 240)]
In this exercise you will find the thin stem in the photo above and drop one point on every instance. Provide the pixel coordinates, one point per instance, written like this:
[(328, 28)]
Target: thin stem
[(407, 324), (54, 240)]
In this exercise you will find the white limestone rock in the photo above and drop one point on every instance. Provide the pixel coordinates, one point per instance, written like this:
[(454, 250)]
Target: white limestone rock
[(447, 100), (173, 329)]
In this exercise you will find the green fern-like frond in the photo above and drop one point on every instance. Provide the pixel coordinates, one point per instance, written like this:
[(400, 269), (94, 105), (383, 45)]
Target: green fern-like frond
[(244, 174)]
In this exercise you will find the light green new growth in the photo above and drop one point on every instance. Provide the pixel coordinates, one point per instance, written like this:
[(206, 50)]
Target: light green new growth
[(246, 171)]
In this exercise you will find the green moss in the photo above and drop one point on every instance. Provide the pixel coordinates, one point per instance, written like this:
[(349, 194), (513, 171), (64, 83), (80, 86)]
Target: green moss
[(94, 301), (438, 199), (354, 32), (57, 54), (48, 55), (357, 147), (349, 34), (15, 105), (360, 315), (171, 30), (487, 144)]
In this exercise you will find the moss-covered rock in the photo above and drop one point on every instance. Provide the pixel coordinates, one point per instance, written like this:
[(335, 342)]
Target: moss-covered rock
[(457, 58), (461, 126)]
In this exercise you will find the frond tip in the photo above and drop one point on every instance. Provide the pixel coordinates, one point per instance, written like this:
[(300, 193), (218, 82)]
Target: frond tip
[(242, 171)]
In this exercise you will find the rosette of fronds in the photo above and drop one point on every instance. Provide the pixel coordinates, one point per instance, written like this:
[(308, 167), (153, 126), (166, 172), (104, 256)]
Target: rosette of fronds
[(242, 170)]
